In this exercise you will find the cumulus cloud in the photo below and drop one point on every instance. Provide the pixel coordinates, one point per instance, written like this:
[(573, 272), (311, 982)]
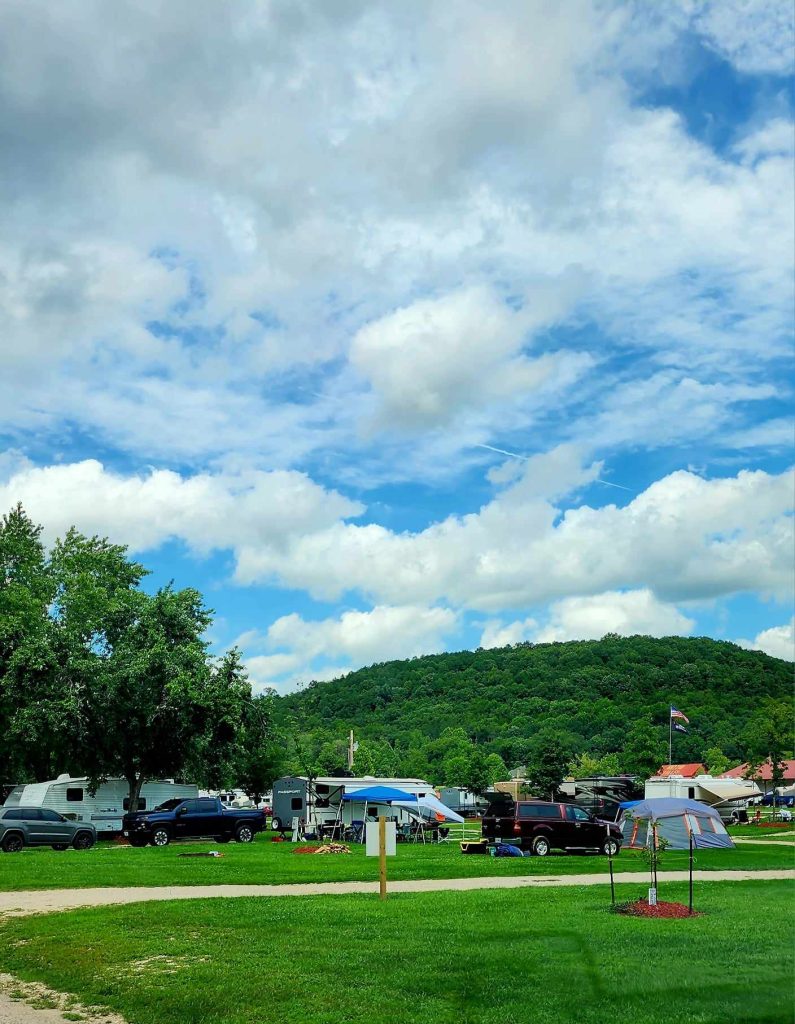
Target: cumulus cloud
[(778, 641), (501, 634), (622, 612), (331, 647)]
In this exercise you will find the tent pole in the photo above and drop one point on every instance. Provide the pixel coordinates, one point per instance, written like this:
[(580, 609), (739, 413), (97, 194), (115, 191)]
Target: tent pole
[(690, 907)]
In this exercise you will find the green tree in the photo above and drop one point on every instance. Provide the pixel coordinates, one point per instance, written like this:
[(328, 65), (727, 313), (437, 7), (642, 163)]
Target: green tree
[(260, 753), (497, 768), (548, 757), (645, 749), (769, 736), (716, 761)]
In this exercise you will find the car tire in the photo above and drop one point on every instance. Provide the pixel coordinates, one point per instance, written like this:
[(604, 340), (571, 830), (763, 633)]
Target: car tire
[(12, 843), (138, 842), (83, 841), (276, 825), (221, 839), (161, 837), (244, 834), (541, 846), (60, 846), (611, 847)]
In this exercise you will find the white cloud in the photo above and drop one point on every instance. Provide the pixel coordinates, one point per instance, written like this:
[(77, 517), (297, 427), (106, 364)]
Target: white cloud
[(206, 511), (332, 647), (779, 641), (757, 36), (500, 634), (623, 612)]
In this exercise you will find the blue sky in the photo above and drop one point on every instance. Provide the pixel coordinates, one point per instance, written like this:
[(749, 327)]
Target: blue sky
[(407, 328)]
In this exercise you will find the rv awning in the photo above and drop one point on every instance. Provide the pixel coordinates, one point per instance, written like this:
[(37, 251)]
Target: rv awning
[(380, 795), (432, 806), (722, 791)]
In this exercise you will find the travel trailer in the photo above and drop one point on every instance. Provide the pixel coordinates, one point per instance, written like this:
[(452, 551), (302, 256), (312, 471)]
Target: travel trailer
[(71, 798), (728, 796), (463, 801), (320, 802), (601, 795)]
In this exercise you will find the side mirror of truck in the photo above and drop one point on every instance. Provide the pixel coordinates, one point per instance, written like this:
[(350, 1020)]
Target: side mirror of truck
[(182, 810)]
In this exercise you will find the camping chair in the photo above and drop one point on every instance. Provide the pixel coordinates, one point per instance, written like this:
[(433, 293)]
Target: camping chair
[(355, 832)]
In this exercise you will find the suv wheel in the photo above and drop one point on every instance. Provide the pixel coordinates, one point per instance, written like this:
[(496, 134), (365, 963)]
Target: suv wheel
[(244, 834), (541, 846), (13, 843), (160, 837), (611, 847), (83, 841)]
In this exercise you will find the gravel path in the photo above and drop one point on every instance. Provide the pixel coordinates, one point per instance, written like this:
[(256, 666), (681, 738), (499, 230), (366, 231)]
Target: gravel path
[(19, 904)]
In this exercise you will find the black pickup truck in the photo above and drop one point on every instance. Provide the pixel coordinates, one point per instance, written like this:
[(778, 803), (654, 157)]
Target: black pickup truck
[(191, 819)]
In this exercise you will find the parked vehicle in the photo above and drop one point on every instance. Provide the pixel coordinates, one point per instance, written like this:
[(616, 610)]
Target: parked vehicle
[(204, 817), (541, 826), (601, 795), (39, 826), (778, 800), (105, 808)]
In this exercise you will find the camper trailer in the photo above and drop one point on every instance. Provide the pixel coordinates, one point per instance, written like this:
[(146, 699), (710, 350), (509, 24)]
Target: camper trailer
[(317, 803), (601, 795), (728, 796), (71, 798), (463, 801)]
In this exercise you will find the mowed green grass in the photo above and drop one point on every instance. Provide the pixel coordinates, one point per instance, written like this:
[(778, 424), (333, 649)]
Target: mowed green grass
[(478, 958), (265, 862)]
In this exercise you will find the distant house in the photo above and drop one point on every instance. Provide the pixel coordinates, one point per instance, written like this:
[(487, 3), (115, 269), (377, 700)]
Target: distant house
[(682, 771), (763, 775)]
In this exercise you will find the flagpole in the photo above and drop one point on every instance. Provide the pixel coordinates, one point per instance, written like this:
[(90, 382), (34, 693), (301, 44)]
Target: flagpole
[(670, 734)]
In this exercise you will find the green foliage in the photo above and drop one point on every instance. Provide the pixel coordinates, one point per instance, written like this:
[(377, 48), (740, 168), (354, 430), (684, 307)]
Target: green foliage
[(260, 752), (716, 761), (548, 757), (770, 734), (610, 697)]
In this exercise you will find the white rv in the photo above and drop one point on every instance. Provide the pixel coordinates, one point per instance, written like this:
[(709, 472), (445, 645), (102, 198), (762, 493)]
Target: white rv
[(71, 798), (321, 803), (727, 796)]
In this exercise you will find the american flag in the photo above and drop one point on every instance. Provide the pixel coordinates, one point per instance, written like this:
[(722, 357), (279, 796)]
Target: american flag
[(679, 715)]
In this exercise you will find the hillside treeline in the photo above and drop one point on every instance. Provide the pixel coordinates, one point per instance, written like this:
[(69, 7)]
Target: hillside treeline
[(603, 704)]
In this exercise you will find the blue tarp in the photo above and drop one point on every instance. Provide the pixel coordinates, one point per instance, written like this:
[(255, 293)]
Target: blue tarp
[(380, 795)]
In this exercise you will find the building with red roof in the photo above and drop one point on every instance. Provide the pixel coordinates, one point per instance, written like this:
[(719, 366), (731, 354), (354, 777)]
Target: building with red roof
[(764, 774), (686, 771)]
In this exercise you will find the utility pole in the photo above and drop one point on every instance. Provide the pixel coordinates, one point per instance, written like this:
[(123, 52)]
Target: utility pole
[(350, 751)]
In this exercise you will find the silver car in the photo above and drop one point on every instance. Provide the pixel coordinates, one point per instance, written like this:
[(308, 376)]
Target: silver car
[(39, 826)]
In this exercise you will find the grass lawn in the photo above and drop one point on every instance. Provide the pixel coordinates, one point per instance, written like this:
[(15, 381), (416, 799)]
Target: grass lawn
[(478, 958), (264, 862), (755, 832)]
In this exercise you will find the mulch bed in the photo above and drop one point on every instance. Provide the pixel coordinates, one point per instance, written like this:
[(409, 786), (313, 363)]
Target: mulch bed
[(325, 848), (775, 824), (641, 908)]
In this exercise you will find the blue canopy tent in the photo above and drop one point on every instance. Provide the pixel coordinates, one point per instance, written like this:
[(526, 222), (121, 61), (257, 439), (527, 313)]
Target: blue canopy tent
[(375, 795)]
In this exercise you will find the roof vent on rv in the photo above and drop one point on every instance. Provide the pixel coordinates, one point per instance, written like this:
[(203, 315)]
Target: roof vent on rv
[(65, 777)]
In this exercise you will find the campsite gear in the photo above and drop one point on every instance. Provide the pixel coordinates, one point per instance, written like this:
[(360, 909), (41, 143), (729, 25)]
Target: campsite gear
[(507, 850), (675, 821)]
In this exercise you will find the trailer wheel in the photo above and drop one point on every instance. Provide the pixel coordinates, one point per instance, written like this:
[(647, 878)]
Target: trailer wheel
[(138, 841), (244, 834), (276, 825), (13, 842), (83, 841), (221, 839), (161, 837)]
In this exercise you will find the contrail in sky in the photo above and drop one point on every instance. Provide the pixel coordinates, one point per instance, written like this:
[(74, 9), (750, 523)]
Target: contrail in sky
[(526, 458)]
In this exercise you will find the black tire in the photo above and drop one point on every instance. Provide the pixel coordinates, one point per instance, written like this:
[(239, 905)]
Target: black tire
[(138, 842), (244, 834), (276, 825), (221, 839), (611, 847), (542, 846), (60, 846), (160, 837), (12, 843), (83, 841)]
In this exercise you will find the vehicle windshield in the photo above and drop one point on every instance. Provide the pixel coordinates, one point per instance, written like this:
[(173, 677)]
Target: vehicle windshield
[(169, 805)]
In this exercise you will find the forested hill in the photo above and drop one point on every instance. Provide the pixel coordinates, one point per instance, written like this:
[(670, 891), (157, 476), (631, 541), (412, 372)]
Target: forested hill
[(596, 695)]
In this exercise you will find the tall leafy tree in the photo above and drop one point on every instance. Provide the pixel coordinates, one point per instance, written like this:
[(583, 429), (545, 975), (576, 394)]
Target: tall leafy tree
[(769, 736), (549, 756), (260, 756)]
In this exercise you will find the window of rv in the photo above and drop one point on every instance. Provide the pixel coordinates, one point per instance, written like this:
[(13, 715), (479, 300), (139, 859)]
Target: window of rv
[(74, 796), (169, 805)]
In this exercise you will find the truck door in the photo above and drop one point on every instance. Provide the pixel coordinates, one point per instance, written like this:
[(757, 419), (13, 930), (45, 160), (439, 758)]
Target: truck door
[(582, 831)]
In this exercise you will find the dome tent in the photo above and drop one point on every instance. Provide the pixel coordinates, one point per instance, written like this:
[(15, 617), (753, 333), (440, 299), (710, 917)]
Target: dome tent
[(674, 821)]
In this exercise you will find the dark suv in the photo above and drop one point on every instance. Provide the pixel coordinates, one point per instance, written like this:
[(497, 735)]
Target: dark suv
[(540, 826)]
